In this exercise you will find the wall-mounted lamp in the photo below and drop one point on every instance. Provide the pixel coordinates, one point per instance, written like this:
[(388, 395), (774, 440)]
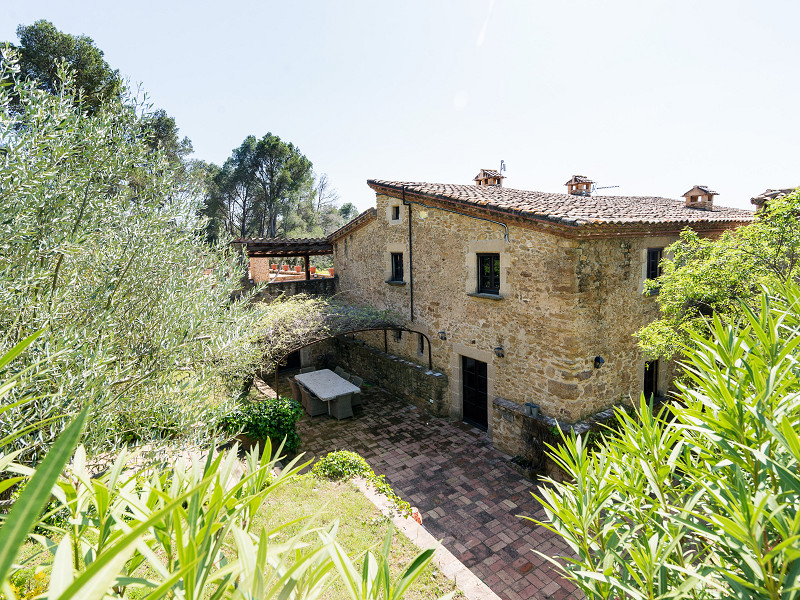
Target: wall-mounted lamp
[(598, 362), (442, 335), (499, 352)]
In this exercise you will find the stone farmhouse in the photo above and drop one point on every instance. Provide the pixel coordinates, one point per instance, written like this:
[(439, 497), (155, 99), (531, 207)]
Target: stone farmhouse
[(527, 297), (521, 297)]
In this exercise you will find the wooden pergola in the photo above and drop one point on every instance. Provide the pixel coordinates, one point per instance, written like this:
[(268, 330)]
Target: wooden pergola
[(286, 248)]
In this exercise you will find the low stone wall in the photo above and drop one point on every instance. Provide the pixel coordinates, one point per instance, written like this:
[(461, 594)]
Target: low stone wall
[(323, 286), (526, 438), (426, 388)]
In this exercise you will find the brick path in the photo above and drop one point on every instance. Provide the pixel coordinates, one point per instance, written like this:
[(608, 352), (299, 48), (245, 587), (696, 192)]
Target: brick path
[(467, 495)]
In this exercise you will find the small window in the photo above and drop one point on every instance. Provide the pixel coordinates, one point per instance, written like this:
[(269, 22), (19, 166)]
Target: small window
[(395, 213), (420, 344), (397, 266), (397, 335), (488, 273), (650, 379), (654, 262)]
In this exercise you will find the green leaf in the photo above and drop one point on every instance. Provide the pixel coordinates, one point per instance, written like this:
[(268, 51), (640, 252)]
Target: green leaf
[(25, 512), (18, 348), (61, 574)]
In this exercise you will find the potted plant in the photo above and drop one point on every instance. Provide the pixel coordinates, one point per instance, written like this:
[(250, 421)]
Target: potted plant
[(330, 271), (298, 269), (312, 270), (273, 267), (285, 267)]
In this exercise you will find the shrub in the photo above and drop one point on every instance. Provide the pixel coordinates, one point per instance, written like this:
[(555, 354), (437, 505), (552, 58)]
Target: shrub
[(699, 500), (342, 465), (345, 465), (273, 418)]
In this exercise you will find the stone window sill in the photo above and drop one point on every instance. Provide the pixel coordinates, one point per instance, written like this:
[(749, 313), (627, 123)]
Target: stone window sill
[(486, 296), (390, 282)]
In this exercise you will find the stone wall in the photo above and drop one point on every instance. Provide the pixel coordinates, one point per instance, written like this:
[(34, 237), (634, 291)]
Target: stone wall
[(527, 439), (562, 302), (323, 286), (426, 388)]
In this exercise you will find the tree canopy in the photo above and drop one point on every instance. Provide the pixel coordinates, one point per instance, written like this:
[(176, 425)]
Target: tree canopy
[(702, 276), (267, 188), (42, 48)]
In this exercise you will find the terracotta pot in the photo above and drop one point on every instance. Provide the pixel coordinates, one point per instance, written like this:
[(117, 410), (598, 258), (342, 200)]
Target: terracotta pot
[(285, 267), (312, 270), (274, 267), (330, 271), (298, 269)]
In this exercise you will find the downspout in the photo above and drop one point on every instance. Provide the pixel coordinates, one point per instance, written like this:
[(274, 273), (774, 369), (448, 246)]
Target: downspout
[(410, 256)]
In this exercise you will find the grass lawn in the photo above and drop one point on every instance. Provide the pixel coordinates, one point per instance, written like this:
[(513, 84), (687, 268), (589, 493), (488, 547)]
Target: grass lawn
[(362, 527)]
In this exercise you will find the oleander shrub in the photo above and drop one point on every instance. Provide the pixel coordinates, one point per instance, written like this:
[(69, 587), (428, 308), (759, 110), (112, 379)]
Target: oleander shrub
[(344, 465), (700, 499), (272, 418)]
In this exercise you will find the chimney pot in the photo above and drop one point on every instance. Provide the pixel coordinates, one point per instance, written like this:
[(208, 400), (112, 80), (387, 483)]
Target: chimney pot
[(579, 185), (700, 197), (489, 177)]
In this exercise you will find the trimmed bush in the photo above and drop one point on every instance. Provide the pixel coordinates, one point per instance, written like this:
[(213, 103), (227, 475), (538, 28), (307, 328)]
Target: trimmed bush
[(273, 418), (344, 465)]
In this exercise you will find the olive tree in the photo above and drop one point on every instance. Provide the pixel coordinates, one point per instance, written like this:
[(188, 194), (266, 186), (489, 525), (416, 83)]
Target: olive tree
[(100, 250)]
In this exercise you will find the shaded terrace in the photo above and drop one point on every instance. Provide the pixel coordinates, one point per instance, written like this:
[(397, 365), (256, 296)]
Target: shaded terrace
[(263, 251)]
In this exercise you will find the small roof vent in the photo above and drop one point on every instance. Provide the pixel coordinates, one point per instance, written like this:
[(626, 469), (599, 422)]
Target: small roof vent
[(579, 185), (489, 177), (700, 197)]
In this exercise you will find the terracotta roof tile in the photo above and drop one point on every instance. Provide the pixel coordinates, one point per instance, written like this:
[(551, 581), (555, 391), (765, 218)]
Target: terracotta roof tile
[(579, 179), (702, 188), (569, 209), (770, 194), (488, 173)]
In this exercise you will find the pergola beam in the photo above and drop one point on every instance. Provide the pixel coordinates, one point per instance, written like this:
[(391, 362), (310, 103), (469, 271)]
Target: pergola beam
[(286, 248)]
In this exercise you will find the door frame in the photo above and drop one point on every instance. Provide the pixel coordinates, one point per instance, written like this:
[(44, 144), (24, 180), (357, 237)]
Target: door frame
[(456, 386), (479, 412)]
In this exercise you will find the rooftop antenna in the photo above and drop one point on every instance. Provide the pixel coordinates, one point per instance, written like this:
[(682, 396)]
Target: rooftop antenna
[(605, 187)]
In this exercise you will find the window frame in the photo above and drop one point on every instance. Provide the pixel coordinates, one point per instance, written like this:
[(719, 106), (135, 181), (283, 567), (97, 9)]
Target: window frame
[(494, 273), (396, 260), (653, 270), (395, 212)]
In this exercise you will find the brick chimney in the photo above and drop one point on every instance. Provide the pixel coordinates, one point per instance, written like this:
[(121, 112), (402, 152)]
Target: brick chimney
[(489, 177), (700, 197), (579, 186)]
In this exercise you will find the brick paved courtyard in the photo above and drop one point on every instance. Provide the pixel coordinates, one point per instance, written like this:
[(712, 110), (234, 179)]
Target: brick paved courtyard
[(467, 495)]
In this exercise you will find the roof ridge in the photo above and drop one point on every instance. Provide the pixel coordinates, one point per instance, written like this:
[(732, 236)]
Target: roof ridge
[(569, 209)]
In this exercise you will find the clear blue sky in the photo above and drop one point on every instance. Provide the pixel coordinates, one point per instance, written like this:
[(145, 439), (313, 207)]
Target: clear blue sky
[(653, 96)]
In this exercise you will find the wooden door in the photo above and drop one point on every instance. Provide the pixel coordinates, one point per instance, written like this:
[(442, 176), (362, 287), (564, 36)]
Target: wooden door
[(474, 383)]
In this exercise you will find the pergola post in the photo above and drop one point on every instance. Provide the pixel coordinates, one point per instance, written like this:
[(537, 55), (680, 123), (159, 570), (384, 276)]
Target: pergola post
[(305, 260)]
